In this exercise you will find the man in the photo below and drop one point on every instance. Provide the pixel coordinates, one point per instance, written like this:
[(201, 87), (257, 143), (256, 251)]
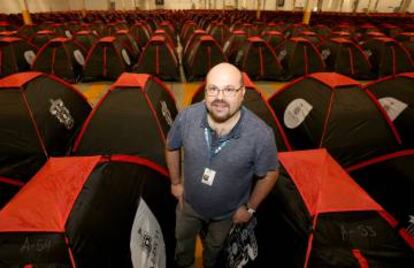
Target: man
[(224, 146)]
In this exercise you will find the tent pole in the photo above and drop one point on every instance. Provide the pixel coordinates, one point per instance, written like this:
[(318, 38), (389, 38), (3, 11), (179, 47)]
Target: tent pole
[(307, 12), (26, 13), (259, 3)]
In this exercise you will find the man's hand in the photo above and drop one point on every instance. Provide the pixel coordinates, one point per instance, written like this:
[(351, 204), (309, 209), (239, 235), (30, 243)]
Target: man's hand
[(177, 190), (241, 215)]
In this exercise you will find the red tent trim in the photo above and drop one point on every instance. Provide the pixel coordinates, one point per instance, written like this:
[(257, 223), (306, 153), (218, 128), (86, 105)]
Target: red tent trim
[(47, 204)]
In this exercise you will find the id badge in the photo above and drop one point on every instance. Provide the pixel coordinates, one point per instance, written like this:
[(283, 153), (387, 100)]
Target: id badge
[(208, 176)]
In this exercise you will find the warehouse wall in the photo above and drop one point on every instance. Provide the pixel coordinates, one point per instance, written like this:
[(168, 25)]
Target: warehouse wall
[(15, 6)]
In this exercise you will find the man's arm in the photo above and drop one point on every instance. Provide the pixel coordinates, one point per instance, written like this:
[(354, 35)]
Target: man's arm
[(261, 189), (173, 164)]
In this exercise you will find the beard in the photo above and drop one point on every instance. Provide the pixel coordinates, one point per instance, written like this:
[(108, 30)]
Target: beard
[(220, 117)]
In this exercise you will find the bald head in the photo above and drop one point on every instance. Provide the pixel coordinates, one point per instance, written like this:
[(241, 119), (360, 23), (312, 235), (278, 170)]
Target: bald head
[(225, 73), (226, 100)]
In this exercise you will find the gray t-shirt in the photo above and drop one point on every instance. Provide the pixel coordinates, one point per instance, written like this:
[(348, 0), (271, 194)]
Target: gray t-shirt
[(248, 150)]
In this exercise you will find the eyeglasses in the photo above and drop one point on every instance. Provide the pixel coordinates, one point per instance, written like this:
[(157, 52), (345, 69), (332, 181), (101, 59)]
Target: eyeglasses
[(229, 91)]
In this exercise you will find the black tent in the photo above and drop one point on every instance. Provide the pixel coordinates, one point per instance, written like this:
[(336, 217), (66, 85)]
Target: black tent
[(107, 60), (133, 118), (317, 216), (396, 95), (86, 39), (258, 60), (42, 37), (16, 55), (40, 116), (298, 57), (345, 57), (158, 58), (387, 57), (205, 54), (389, 179), (91, 212), (61, 57), (329, 110), (233, 44)]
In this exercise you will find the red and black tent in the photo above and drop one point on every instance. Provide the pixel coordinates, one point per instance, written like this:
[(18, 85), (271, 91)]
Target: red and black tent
[(396, 95), (255, 102), (42, 37), (343, 56), (205, 54), (158, 58), (91, 212), (388, 57), (16, 55), (40, 116), (273, 38), (233, 45), (389, 179), (86, 39), (299, 57), (332, 111), (62, 57), (258, 60), (133, 118), (317, 216), (107, 60)]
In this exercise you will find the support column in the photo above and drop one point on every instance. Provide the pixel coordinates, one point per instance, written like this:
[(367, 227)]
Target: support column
[(307, 12), (259, 3), (26, 13)]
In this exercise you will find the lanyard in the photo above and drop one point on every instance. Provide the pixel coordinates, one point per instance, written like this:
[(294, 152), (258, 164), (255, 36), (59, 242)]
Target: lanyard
[(211, 153)]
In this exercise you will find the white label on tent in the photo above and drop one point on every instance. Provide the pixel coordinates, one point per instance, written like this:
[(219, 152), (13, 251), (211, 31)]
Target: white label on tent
[(239, 56), (147, 243), (296, 112), (393, 107), (126, 56), (226, 46), (79, 57), (325, 54), (29, 56), (282, 55), (166, 113), (62, 114), (95, 32), (68, 34), (410, 227), (368, 53)]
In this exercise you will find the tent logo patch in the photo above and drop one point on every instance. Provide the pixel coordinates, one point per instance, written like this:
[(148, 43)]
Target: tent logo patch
[(68, 34), (125, 56), (79, 57), (392, 106), (325, 54), (62, 114), (29, 56), (282, 55), (410, 228), (166, 113), (368, 53), (226, 46), (296, 112)]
